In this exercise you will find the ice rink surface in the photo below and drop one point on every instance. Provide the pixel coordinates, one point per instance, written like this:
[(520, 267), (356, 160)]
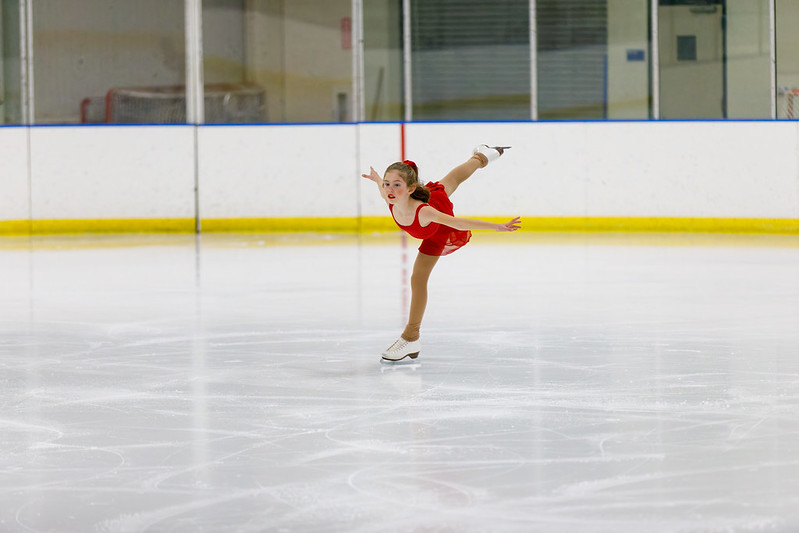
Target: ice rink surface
[(232, 383)]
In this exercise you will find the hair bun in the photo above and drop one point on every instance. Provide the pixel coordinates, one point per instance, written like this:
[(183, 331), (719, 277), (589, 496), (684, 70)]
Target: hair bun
[(412, 165)]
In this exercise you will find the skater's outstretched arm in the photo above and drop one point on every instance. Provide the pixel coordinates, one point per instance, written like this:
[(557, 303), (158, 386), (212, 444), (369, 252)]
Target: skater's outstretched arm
[(375, 177), (429, 214)]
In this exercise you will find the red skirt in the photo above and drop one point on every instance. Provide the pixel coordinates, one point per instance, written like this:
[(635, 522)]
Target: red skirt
[(445, 240)]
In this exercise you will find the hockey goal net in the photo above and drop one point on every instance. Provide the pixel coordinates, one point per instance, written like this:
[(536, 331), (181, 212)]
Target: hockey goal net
[(225, 103), (788, 103)]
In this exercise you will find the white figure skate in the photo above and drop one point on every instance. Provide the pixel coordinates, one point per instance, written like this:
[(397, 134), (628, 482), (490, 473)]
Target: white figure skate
[(402, 349), (491, 153)]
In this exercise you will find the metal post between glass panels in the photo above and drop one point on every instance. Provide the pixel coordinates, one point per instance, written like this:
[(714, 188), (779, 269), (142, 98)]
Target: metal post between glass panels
[(358, 78), (655, 60), (406, 60), (772, 28), (195, 91), (194, 62), (533, 63), (26, 60)]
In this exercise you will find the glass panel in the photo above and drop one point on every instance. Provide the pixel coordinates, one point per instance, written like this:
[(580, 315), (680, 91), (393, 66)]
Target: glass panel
[(787, 59), (277, 60), (131, 53), (714, 59), (572, 59), (10, 86), (593, 59), (470, 59), (383, 67), (628, 64), (748, 76), (231, 96)]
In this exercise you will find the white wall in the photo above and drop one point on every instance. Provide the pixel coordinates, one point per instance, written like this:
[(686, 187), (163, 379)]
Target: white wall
[(291, 171), (555, 169), (648, 169), (379, 146), (278, 171), (112, 172), (14, 179)]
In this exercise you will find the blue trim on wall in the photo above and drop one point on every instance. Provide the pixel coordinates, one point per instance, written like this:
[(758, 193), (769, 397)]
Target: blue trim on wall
[(476, 122), (99, 125)]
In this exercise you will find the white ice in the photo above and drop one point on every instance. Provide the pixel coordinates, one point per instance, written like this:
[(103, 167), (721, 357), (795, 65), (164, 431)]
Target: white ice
[(581, 383)]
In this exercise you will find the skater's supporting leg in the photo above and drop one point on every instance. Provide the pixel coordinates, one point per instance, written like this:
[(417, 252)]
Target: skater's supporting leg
[(422, 268)]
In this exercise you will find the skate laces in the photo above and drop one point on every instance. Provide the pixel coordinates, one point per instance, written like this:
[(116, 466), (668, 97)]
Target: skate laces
[(399, 344)]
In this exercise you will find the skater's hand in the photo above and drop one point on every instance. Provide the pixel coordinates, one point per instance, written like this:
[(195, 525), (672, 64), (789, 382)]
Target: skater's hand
[(513, 225), (373, 175)]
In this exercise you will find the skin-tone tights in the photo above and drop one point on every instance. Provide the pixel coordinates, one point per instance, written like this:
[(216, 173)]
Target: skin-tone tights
[(422, 268)]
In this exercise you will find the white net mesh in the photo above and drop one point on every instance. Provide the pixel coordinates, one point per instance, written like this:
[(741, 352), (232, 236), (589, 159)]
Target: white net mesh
[(226, 103), (92, 110)]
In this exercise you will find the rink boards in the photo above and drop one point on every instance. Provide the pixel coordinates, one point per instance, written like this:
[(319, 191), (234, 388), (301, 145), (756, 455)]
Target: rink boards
[(706, 176)]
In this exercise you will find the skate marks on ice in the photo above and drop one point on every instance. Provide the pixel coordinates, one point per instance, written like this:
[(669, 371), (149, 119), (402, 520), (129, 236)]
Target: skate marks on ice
[(619, 389)]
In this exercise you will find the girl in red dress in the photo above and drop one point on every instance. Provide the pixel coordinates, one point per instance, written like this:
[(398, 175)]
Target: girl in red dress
[(425, 212)]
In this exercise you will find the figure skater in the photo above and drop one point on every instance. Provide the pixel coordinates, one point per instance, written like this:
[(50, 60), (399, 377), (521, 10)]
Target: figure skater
[(425, 212)]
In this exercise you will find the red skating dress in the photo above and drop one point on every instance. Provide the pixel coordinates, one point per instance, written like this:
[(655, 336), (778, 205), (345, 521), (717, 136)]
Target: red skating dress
[(437, 239)]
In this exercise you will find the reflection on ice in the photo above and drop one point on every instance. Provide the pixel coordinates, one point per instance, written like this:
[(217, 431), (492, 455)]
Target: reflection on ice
[(234, 383)]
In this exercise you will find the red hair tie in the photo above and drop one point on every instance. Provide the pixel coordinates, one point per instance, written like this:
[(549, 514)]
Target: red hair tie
[(412, 165)]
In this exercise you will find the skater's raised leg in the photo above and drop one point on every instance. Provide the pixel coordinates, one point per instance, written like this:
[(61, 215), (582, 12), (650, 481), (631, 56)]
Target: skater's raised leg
[(481, 156), (459, 174)]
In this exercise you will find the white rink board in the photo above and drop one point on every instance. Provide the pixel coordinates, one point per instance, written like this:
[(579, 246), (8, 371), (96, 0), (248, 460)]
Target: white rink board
[(737, 169), (14, 196), (618, 169), (379, 146), (110, 172), (703, 169), (278, 171)]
